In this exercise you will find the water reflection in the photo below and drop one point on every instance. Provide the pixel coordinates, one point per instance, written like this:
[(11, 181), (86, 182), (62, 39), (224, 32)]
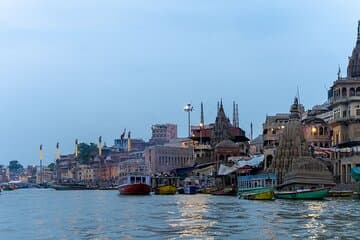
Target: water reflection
[(314, 226), (192, 221), (35, 214)]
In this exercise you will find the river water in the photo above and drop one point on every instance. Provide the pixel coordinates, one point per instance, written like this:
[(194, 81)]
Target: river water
[(50, 214)]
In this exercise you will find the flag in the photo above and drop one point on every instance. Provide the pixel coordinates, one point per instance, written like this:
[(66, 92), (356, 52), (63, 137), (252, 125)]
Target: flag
[(122, 136)]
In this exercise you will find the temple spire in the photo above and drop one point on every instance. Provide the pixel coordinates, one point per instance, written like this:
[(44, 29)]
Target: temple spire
[(237, 115), (221, 104), (202, 115), (234, 114), (358, 33), (218, 106)]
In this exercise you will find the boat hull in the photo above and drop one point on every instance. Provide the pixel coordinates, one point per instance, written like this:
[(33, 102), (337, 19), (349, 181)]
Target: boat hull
[(166, 190), (135, 189), (316, 194), (190, 190), (259, 194), (340, 194), (70, 187)]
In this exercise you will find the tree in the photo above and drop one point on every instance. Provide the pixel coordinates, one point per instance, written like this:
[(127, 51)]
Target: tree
[(87, 152), (15, 168), (52, 166)]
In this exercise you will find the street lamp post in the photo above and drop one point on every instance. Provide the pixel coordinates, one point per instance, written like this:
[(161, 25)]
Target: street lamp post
[(188, 108)]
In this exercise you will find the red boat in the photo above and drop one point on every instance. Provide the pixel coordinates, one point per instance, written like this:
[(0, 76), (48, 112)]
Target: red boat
[(134, 178), (135, 185)]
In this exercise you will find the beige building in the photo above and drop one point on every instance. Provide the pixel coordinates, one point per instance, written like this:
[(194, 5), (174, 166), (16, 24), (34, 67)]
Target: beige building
[(344, 97), (85, 173), (167, 158)]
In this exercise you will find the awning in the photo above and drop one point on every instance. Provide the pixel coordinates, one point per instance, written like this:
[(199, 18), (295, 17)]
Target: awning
[(355, 173)]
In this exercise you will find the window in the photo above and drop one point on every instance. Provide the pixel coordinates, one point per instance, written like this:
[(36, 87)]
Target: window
[(358, 91), (358, 112), (344, 114), (344, 92), (352, 92)]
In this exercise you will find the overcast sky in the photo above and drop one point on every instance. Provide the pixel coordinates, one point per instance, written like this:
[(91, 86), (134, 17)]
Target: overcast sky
[(80, 69)]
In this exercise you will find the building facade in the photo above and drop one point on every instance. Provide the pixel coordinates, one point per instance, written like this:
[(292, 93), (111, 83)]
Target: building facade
[(164, 159), (163, 133), (344, 96)]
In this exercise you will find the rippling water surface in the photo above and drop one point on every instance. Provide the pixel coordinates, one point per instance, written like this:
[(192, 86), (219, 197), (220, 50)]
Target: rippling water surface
[(49, 214)]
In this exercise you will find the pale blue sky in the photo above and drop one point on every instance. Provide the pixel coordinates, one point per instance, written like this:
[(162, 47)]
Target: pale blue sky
[(80, 69)]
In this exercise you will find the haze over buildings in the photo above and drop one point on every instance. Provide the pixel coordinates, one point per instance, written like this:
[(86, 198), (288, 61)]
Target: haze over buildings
[(90, 68)]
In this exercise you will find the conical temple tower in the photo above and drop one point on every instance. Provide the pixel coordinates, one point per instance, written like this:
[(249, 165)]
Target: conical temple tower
[(294, 166)]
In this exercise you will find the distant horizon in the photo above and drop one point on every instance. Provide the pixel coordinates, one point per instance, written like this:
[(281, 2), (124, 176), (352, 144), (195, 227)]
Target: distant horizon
[(91, 68)]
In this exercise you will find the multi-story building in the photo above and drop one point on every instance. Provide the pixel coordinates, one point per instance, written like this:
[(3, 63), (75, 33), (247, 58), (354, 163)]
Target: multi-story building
[(85, 173), (4, 174), (66, 168), (163, 133), (344, 96), (166, 158), (44, 175), (136, 144)]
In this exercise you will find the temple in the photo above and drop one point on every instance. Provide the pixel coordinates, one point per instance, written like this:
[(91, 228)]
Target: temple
[(293, 163)]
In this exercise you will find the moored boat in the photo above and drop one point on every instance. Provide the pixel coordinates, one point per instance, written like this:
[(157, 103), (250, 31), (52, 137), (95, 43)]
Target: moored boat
[(134, 178), (165, 185), (257, 187), (340, 194), (70, 186), (259, 194), (191, 185), (306, 194)]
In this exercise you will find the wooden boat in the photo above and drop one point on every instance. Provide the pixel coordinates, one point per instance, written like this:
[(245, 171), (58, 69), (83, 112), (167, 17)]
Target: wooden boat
[(70, 186), (227, 191), (338, 194), (134, 178), (257, 187), (266, 193), (165, 185), (307, 194), (191, 185), (135, 185)]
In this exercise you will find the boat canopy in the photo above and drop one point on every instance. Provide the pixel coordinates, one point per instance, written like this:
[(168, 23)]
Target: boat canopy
[(355, 173), (239, 164)]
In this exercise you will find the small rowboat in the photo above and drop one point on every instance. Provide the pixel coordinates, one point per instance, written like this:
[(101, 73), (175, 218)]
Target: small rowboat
[(307, 194)]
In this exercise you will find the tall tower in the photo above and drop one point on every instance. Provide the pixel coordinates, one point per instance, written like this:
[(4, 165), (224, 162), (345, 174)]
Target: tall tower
[(234, 114), (202, 115), (237, 115)]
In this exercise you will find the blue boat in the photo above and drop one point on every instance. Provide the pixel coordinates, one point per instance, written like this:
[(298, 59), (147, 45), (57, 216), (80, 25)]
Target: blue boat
[(257, 187)]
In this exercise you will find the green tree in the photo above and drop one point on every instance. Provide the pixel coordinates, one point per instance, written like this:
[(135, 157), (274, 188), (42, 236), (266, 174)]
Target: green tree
[(52, 166), (87, 152), (15, 168)]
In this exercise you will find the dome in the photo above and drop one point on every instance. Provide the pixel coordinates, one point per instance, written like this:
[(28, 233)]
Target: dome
[(353, 69), (226, 144)]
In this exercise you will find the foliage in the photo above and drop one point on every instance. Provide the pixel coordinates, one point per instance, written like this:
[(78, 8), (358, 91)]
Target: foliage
[(87, 152), (52, 166), (15, 167)]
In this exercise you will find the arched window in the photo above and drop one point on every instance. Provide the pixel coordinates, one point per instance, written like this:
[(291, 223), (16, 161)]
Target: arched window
[(358, 91), (321, 131), (352, 92), (344, 92)]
